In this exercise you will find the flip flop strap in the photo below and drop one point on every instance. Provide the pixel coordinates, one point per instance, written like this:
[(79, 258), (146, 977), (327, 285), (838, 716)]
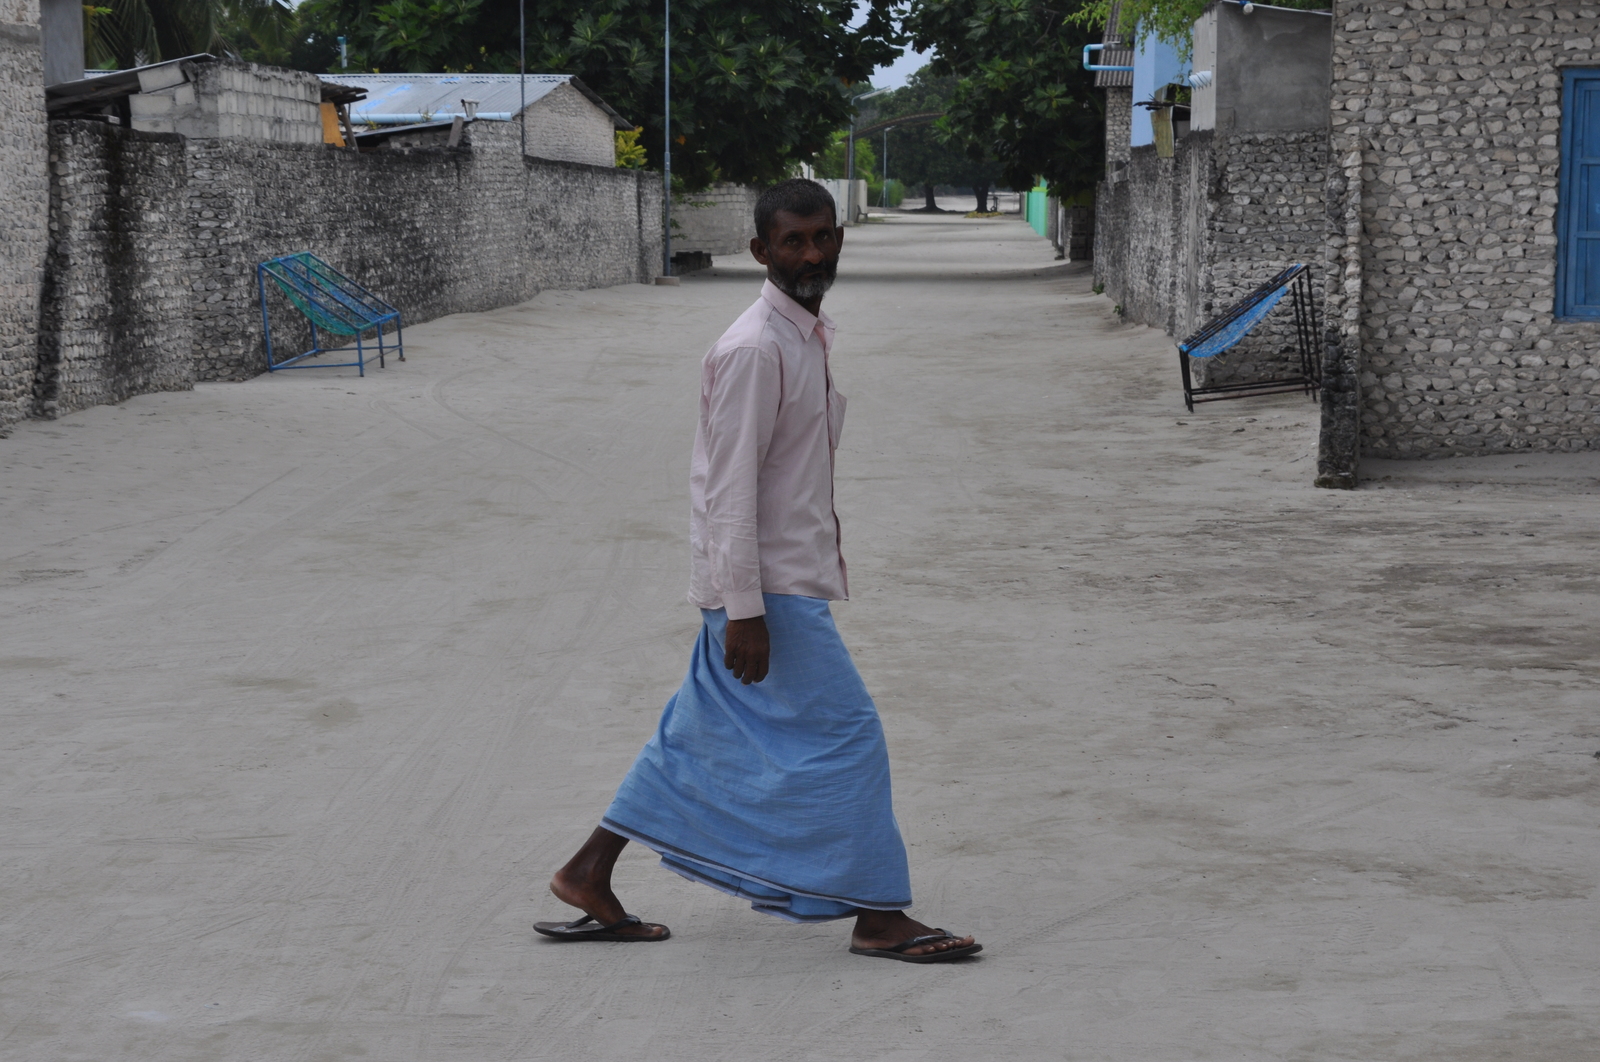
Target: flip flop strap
[(929, 938), (625, 920)]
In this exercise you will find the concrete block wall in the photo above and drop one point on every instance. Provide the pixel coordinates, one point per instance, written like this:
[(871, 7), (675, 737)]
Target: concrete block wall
[(1177, 240), (235, 99), (566, 126), (719, 220), (24, 203), (435, 232), (1442, 197)]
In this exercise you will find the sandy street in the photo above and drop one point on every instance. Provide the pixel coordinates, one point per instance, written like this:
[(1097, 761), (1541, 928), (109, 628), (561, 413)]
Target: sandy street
[(309, 683)]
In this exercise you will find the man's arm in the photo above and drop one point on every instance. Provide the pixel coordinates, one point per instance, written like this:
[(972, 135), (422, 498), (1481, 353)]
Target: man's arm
[(746, 386)]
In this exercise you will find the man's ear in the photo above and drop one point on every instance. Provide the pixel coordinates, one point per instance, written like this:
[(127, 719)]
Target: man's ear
[(758, 250), (838, 236)]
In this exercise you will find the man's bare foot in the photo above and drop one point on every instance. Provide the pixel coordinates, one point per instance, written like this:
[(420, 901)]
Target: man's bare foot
[(585, 883), (885, 929)]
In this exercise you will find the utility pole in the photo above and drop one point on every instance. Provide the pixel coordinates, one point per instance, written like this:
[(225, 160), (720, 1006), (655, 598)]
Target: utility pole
[(666, 154), (850, 156), (522, 69), (885, 203), (850, 171)]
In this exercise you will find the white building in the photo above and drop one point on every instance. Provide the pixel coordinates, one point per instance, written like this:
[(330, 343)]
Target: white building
[(566, 120)]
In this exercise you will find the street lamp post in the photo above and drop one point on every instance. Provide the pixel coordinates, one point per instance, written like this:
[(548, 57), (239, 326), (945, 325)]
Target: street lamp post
[(850, 156)]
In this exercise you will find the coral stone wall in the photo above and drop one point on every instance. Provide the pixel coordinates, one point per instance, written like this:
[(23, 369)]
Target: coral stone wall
[(24, 204), (1119, 123), (1177, 240), (1442, 204), (115, 312), (434, 231), (153, 272)]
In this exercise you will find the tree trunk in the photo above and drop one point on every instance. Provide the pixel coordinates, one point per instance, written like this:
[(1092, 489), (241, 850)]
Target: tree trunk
[(982, 191), (927, 196)]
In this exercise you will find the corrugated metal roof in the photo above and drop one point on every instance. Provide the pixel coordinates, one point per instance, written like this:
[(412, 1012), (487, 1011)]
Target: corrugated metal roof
[(394, 99), (1115, 56), (1115, 78)]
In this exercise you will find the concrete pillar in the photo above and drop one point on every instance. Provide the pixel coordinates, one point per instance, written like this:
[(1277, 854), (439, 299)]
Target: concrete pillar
[(61, 28)]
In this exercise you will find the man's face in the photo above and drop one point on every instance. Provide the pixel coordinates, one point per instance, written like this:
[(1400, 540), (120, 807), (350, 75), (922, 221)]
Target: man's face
[(801, 253)]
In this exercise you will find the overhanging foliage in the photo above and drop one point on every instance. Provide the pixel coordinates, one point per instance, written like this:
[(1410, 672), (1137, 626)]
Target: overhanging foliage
[(756, 88)]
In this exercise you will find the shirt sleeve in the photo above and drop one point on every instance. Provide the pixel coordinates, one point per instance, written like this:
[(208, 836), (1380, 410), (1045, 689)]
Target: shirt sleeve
[(741, 408)]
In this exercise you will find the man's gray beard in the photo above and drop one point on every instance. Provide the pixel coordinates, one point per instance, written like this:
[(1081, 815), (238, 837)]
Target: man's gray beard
[(814, 288), (811, 288)]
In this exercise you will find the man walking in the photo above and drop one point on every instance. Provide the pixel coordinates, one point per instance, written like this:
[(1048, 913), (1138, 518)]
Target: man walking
[(767, 777)]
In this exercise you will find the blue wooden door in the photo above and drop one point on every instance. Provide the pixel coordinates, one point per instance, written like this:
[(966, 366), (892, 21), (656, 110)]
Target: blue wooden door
[(1578, 268)]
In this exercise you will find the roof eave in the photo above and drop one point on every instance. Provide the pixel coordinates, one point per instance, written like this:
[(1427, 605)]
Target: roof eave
[(594, 97)]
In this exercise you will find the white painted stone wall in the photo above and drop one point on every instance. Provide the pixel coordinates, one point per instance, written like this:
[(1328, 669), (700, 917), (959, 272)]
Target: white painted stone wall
[(567, 127), (837, 188)]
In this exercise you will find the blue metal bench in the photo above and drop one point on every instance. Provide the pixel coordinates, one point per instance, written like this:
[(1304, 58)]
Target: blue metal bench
[(1234, 323), (332, 303)]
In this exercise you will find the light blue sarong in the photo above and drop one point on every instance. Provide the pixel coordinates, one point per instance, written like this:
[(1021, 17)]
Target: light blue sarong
[(776, 792)]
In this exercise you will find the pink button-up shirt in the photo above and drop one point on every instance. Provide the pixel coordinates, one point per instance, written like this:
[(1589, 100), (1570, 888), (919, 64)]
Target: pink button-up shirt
[(761, 482)]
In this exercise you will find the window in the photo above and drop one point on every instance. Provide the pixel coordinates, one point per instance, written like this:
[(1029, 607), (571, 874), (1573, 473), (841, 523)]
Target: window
[(1578, 217)]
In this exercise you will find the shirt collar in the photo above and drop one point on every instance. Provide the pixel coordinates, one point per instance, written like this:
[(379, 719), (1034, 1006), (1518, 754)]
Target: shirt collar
[(798, 315)]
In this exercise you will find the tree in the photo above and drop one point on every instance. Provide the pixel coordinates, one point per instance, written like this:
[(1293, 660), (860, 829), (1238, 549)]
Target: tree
[(129, 33), (922, 153), (1021, 95), (1171, 20), (756, 88), (833, 162)]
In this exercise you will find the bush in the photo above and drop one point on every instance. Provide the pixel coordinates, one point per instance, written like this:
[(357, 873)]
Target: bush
[(897, 193), (630, 153)]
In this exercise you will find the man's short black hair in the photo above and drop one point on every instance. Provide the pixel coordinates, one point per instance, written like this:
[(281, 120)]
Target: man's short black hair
[(798, 196)]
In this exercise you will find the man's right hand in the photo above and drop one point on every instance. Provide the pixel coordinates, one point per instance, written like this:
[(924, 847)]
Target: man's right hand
[(746, 649)]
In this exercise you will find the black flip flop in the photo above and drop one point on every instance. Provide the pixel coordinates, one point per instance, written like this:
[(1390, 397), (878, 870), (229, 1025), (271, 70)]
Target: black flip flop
[(900, 949), (582, 930)]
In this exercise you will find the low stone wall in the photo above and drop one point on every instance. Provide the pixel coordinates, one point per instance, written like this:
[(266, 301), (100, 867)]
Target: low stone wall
[(152, 271), (1442, 199), (1177, 240), (24, 204)]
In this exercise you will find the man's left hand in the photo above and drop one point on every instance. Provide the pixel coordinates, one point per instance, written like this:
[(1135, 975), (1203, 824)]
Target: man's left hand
[(746, 649)]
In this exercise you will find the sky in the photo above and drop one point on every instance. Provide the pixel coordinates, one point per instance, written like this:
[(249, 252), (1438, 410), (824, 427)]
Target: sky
[(894, 75)]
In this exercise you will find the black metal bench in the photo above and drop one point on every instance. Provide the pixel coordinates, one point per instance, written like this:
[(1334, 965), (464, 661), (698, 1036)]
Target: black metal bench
[(1234, 323)]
